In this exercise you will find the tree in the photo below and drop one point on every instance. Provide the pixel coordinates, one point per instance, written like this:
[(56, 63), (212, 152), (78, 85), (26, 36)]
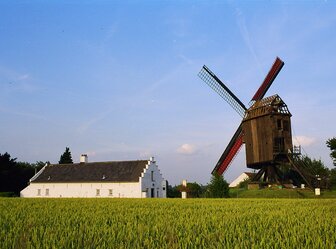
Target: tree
[(194, 190), (331, 143), (314, 167), (14, 176), (66, 157), (218, 187), (173, 192), (332, 180), (7, 166)]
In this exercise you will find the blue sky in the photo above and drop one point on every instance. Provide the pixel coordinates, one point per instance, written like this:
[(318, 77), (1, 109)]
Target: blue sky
[(118, 80)]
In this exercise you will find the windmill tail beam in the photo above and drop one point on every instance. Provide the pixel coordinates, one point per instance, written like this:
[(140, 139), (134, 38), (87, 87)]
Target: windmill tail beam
[(272, 74), (230, 152), (218, 86)]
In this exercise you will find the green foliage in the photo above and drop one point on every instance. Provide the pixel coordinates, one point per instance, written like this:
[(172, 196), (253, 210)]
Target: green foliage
[(332, 180), (244, 184), (218, 187), (314, 166), (167, 223), (331, 143), (8, 194), (173, 192), (66, 157), (195, 190), (14, 176), (6, 162)]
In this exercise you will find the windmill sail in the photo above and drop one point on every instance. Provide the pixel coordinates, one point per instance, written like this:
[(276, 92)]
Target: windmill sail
[(230, 152), (272, 74), (218, 86)]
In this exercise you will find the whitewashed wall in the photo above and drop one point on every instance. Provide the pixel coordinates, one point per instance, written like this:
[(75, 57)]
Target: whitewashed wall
[(157, 183), (106, 190), (151, 178), (238, 180)]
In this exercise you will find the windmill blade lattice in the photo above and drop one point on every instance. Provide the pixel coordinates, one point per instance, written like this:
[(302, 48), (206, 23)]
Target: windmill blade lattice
[(218, 86)]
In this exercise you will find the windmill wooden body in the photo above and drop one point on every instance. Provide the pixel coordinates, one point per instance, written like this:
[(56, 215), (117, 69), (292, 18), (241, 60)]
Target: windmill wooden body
[(265, 129)]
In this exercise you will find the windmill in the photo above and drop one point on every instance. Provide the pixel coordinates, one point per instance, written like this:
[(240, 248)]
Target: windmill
[(265, 130)]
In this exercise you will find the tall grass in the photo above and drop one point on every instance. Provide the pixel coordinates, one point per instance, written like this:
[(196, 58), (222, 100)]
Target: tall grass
[(167, 223)]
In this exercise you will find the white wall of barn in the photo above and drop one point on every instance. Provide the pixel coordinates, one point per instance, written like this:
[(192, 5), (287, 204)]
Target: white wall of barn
[(238, 180), (151, 184), (82, 190)]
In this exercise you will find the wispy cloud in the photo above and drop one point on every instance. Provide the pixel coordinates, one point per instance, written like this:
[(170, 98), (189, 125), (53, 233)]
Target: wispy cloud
[(86, 125), (186, 59), (16, 81), (24, 77), (245, 34), (187, 149), (145, 154), (304, 140), (18, 113)]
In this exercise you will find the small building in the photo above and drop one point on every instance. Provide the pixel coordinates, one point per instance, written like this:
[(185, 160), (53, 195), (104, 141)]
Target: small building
[(117, 179), (243, 177)]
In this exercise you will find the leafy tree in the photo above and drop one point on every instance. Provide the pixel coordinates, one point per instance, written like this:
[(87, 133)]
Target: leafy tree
[(332, 179), (218, 187), (14, 176), (7, 166), (314, 167), (331, 143), (173, 192), (195, 190), (66, 157)]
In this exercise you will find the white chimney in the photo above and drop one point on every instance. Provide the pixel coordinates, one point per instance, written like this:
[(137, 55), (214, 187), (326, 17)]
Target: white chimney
[(83, 158)]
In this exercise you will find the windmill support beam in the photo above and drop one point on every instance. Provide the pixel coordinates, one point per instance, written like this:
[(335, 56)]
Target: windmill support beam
[(269, 173)]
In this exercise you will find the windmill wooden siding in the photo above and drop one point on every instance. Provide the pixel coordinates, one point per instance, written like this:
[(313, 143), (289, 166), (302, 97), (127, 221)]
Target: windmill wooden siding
[(267, 132), (124, 179)]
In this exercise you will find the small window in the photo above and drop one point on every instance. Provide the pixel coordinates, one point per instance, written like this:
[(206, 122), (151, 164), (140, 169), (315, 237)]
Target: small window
[(163, 188), (279, 124), (110, 192), (47, 192), (152, 176), (97, 192), (39, 192), (286, 125), (279, 145)]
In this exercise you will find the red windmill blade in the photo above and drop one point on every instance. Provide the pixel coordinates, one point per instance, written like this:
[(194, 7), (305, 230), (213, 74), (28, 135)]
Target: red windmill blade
[(270, 77)]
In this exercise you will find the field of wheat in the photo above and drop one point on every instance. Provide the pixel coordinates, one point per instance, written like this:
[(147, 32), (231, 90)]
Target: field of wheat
[(167, 223)]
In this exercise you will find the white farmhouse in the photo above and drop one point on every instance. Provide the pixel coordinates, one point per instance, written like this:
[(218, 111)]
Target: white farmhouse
[(244, 176), (119, 179)]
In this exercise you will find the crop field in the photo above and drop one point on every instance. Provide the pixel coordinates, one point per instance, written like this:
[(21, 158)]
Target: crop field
[(167, 223)]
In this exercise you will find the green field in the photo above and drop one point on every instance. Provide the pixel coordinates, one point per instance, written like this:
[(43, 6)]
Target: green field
[(280, 193), (167, 223)]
